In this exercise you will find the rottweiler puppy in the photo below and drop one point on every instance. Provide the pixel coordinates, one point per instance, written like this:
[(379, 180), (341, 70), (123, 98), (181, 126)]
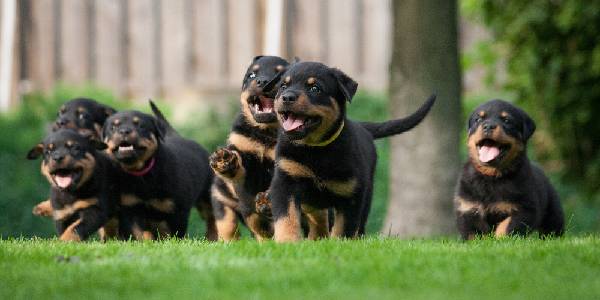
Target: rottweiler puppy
[(165, 175), (323, 159), (244, 167), (500, 191), (84, 191), (85, 116)]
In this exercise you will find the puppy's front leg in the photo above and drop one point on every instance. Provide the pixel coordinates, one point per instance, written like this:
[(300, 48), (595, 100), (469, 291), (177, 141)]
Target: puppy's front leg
[(286, 210)]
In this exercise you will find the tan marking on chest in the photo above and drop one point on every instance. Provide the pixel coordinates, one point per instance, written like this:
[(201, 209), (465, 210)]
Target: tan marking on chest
[(504, 207), (162, 205), (130, 200), (344, 188), (69, 210), (246, 144)]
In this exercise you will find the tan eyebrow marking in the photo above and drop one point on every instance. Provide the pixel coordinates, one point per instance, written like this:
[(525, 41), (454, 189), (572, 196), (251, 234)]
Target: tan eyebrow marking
[(482, 113), (287, 79), (311, 80), (504, 114), (255, 67), (69, 143), (80, 109), (50, 146), (116, 122), (279, 68), (136, 119)]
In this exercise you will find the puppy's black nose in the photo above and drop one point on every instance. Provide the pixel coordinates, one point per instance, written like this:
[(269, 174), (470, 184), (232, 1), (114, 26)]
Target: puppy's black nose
[(288, 97), (124, 130), (489, 127), (261, 81)]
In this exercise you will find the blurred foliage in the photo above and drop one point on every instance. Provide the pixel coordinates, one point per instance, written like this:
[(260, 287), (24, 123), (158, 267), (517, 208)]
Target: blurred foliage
[(23, 186), (553, 62)]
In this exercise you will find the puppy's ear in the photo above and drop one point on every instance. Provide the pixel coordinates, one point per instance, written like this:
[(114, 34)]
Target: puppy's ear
[(109, 111), (256, 58), (36, 151), (528, 126), (346, 84), (159, 129)]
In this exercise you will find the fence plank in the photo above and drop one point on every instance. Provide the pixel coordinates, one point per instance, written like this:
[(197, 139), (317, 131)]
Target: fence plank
[(305, 34), (377, 47), (174, 42), (142, 50), (342, 41), (74, 56), (242, 38), (209, 36), (40, 52), (109, 57)]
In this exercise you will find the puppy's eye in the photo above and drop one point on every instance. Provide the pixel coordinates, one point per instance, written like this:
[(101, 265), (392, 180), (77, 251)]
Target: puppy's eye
[(252, 75), (75, 148), (314, 89), (283, 87), (478, 120), (81, 116), (506, 120)]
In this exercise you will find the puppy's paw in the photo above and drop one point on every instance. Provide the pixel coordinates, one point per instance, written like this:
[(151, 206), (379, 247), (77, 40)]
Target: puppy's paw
[(263, 204), (43, 209), (225, 162)]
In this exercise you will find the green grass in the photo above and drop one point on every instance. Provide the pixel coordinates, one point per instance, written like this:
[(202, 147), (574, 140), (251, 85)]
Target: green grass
[(376, 268)]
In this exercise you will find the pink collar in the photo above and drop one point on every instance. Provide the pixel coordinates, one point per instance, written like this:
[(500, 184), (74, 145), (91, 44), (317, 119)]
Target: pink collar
[(144, 171)]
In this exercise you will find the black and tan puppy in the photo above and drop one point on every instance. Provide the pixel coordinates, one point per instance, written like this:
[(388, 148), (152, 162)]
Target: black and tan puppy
[(244, 167), (323, 159), (84, 189), (85, 116), (500, 191), (165, 176)]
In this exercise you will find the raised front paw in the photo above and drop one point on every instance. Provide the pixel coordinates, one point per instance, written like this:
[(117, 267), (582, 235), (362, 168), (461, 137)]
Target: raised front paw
[(225, 162), (43, 209), (263, 204)]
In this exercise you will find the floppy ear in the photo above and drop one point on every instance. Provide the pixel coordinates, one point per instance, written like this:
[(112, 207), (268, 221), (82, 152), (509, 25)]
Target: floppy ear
[(256, 58), (109, 111), (346, 84), (36, 151), (528, 126)]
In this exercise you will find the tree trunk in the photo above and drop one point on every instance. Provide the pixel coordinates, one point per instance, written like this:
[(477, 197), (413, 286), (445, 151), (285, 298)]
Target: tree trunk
[(424, 161)]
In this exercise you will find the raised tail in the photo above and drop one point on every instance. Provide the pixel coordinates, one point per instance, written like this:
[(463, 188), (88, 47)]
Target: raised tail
[(166, 126), (392, 127)]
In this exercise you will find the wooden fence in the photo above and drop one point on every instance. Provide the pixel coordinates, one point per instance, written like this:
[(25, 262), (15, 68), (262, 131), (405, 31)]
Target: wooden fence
[(187, 49)]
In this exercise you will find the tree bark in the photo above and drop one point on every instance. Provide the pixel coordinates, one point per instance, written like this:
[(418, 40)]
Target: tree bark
[(424, 161)]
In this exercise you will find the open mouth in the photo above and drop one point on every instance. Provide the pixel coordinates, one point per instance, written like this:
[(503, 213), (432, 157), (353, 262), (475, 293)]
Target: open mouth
[(126, 150), (262, 108), (293, 122), (65, 178), (490, 150)]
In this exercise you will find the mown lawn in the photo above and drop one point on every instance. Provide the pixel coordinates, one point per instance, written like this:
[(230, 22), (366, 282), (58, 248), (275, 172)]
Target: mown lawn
[(374, 268)]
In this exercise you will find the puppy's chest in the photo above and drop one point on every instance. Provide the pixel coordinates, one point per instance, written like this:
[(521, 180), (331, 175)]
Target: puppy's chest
[(65, 205)]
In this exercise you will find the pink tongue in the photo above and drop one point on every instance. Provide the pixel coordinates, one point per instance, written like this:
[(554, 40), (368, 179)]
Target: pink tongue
[(292, 123), (63, 181), (488, 153)]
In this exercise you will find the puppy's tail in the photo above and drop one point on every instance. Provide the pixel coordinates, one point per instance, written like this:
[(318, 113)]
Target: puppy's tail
[(392, 127), (162, 121)]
